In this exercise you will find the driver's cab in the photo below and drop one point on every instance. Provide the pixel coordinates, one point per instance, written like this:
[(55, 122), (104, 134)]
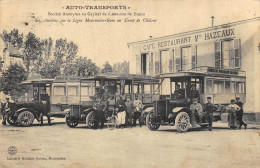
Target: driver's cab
[(181, 89)]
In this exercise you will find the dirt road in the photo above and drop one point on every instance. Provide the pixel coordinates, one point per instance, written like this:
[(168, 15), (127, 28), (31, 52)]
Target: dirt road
[(61, 146)]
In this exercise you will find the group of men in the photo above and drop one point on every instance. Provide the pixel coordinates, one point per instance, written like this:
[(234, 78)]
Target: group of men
[(127, 111), (235, 109)]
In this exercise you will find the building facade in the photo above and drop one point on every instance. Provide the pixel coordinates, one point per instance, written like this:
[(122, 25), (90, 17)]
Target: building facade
[(232, 46)]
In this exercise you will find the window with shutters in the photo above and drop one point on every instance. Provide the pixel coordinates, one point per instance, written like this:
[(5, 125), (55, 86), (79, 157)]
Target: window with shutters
[(227, 54)]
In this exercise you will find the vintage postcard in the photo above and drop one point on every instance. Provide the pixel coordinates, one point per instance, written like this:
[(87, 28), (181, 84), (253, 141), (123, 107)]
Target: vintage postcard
[(123, 84)]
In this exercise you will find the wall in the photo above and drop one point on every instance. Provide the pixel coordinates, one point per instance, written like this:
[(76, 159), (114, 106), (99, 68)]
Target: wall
[(247, 31)]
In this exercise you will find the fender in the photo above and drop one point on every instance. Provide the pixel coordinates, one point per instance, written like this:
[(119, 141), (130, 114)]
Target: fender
[(88, 110), (178, 109), (147, 110), (28, 109)]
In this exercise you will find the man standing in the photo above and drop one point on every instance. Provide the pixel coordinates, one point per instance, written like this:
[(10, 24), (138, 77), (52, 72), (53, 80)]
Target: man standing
[(120, 107), (232, 117), (104, 100), (240, 113), (209, 108), (197, 109), (6, 109), (99, 114), (138, 106), (129, 111)]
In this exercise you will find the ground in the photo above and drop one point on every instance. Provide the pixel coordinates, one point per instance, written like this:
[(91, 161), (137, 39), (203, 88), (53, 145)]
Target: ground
[(61, 146)]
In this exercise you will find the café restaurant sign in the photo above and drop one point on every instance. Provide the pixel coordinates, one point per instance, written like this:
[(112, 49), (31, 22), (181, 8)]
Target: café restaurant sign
[(189, 39)]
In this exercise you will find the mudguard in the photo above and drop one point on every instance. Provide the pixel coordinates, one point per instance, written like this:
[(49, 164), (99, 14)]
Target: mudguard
[(36, 116), (147, 110)]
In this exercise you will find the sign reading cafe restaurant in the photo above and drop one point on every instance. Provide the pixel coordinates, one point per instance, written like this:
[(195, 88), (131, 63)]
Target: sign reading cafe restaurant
[(189, 39)]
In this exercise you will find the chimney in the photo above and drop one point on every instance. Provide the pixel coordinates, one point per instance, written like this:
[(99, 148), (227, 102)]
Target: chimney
[(212, 18)]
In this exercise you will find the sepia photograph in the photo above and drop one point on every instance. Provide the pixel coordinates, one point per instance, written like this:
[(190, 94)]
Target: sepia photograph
[(125, 83)]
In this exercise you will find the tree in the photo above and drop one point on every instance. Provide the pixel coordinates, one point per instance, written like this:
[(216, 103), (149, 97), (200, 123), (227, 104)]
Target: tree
[(11, 79), (81, 67), (64, 53), (32, 51), (122, 68), (107, 68), (14, 37)]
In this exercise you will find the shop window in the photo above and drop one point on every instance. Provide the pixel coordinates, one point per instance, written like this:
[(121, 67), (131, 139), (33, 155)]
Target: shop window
[(72, 90), (59, 91)]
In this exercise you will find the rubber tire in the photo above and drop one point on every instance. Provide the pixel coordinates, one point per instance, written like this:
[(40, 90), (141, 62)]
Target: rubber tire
[(91, 120), (151, 126), (69, 123), (22, 115), (183, 126), (144, 118), (10, 120)]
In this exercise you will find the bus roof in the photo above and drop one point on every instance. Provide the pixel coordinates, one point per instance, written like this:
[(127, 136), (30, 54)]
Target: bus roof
[(205, 71), (38, 80), (116, 76)]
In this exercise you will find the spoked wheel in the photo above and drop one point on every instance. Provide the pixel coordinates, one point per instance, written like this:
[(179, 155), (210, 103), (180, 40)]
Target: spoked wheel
[(25, 118), (182, 122), (11, 119), (149, 122), (111, 123), (91, 123), (70, 122)]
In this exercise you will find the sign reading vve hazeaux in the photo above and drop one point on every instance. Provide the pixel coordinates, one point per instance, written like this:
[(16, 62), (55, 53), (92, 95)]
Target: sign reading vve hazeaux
[(191, 39)]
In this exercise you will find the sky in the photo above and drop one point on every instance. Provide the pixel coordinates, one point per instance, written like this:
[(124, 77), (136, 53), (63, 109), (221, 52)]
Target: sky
[(108, 41)]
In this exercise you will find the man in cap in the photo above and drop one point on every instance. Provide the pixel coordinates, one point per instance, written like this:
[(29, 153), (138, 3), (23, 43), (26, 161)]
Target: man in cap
[(138, 106), (197, 109), (232, 117), (99, 114), (129, 111), (240, 113), (210, 108), (6, 108)]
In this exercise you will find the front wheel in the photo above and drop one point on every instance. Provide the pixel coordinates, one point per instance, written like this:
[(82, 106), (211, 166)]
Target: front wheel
[(149, 122), (182, 122), (25, 118), (11, 119), (91, 123), (70, 122)]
